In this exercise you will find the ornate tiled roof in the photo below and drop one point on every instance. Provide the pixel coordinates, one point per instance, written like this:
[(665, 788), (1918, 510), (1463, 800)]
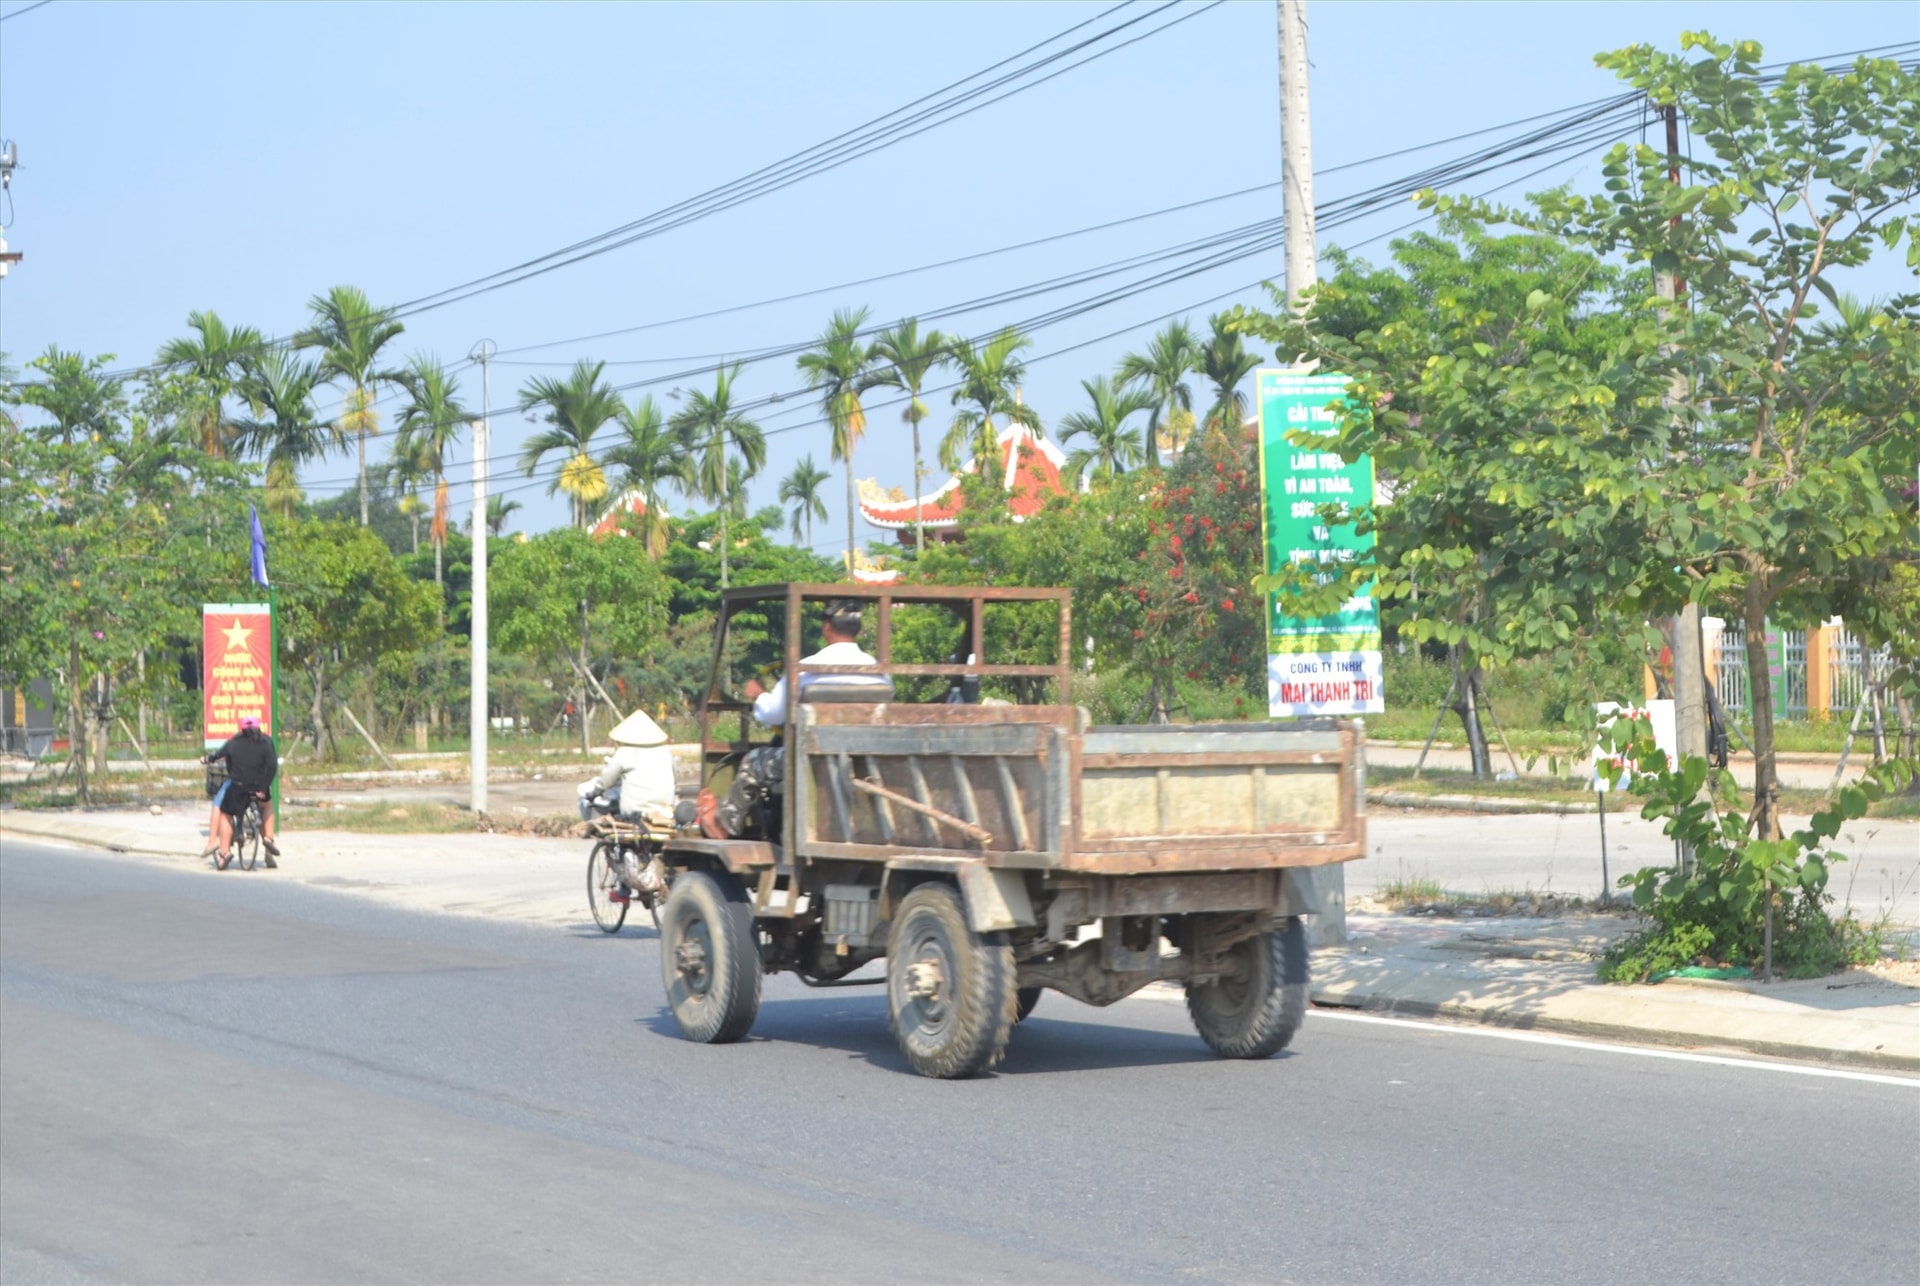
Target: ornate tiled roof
[(630, 501), (1030, 470)]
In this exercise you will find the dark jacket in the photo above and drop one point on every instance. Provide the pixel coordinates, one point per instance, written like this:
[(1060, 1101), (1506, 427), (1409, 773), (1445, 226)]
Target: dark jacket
[(251, 760)]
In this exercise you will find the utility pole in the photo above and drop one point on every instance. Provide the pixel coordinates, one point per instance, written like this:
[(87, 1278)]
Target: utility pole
[(1296, 150), (1323, 889), (1690, 714), (482, 352)]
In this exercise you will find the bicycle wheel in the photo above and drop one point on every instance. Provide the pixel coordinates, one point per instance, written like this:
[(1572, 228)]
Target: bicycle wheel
[(603, 881), (246, 844)]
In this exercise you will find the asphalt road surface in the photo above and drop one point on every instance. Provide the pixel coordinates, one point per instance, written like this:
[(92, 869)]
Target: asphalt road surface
[(220, 1077)]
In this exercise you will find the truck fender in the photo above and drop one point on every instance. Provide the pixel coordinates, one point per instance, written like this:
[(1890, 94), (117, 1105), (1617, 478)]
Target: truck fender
[(995, 899)]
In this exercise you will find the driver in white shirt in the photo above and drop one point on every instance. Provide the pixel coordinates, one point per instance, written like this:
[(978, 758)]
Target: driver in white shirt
[(763, 770)]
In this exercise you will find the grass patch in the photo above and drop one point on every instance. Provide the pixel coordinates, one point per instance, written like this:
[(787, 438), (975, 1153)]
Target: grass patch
[(1564, 790), (380, 819)]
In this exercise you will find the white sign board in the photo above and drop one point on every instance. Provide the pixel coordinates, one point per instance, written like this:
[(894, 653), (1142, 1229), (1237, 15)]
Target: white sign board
[(1665, 733)]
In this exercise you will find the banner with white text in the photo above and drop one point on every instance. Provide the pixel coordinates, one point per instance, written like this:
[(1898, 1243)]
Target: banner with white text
[(236, 678), (1326, 664)]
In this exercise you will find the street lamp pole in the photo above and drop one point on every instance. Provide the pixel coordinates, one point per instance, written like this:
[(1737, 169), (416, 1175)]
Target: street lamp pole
[(482, 353)]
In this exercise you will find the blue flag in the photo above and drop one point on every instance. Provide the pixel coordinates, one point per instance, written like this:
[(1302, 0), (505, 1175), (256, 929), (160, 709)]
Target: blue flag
[(259, 550)]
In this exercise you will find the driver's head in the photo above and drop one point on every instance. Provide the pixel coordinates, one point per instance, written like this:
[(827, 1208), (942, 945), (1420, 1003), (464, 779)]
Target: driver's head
[(842, 623), (250, 726)]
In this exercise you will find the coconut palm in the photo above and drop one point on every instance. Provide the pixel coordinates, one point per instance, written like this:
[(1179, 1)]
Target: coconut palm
[(651, 454), (407, 470), (432, 420), (1114, 448), (841, 367), (1225, 363), (802, 488), (578, 406), (278, 388), (711, 430), (906, 358), (989, 386), (350, 334), (1162, 372), (216, 361), (499, 508)]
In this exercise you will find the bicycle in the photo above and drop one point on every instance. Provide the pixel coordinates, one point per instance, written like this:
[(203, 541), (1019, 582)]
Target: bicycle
[(623, 869), (248, 831)]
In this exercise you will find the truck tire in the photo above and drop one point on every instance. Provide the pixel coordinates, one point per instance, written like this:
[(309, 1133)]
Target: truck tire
[(1255, 1014), (1029, 997), (951, 993), (709, 958)]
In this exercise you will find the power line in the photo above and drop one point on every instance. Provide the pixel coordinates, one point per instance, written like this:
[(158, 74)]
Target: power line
[(24, 9)]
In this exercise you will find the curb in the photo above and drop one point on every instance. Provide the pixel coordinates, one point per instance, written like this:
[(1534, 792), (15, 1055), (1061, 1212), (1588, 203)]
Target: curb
[(1474, 803), (1470, 1014)]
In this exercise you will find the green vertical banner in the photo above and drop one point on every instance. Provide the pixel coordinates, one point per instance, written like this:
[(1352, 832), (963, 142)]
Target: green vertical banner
[(1325, 664)]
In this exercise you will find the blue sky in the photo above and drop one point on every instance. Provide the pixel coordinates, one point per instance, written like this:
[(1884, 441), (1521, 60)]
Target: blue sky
[(243, 157)]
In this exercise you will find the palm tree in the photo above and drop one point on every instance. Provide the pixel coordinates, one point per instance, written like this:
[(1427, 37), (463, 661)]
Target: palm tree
[(1115, 447), (350, 332), (577, 407), (802, 487), (216, 361), (989, 386), (841, 367), (710, 428), (651, 454), (430, 422), (406, 471), (909, 356), (278, 389), (1162, 371), (1226, 363), (499, 508)]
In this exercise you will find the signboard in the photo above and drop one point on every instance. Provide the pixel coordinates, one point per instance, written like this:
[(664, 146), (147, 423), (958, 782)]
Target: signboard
[(236, 677), (1326, 664), (1658, 715)]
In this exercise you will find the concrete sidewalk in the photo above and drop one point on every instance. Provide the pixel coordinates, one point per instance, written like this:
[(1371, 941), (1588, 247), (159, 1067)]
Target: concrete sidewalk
[(1530, 974)]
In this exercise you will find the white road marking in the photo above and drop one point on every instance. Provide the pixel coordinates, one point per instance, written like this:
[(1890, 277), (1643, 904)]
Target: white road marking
[(1533, 1038)]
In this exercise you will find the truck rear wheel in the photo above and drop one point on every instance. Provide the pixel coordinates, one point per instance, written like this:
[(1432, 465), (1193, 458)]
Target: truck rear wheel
[(1254, 1012), (951, 996), (709, 959)]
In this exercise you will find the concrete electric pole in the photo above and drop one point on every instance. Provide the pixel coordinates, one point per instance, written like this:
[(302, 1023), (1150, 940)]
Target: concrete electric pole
[(1296, 149), (482, 353), (1324, 887)]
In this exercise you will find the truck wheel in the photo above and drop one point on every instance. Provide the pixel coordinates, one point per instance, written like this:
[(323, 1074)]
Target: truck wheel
[(1254, 1013), (951, 997), (1029, 997), (709, 959)]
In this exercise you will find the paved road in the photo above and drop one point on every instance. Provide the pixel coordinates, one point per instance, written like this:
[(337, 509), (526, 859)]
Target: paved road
[(233, 1078)]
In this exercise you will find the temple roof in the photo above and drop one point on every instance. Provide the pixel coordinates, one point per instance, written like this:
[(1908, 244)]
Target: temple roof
[(630, 501), (1030, 470)]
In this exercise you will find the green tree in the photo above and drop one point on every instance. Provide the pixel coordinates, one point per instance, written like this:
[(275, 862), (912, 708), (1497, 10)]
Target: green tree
[(345, 604), (841, 367), (408, 469), (1225, 362), (578, 407), (1163, 372), (76, 394), (907, 357), (1113, 447), (351, 335), (574, 602), (989, 386), (431, 420), (713, 431), (281, 426), (215, 361), (801, 488), (651, 455)]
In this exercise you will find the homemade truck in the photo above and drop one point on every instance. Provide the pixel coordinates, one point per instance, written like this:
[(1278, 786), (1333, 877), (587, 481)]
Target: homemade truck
[(990, 850)]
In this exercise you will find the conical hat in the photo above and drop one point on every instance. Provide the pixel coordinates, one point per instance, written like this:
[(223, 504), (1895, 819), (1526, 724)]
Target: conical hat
[(637, 730)]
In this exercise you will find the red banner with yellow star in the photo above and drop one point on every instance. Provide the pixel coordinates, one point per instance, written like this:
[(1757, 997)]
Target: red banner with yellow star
[(236, 677)]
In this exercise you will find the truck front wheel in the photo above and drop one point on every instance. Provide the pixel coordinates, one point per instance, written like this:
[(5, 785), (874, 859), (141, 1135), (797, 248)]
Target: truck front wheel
[(1254, 1011), (709, 960), (951, 997)]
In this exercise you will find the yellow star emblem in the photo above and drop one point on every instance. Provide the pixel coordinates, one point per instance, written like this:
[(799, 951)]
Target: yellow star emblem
[(236, 636)]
